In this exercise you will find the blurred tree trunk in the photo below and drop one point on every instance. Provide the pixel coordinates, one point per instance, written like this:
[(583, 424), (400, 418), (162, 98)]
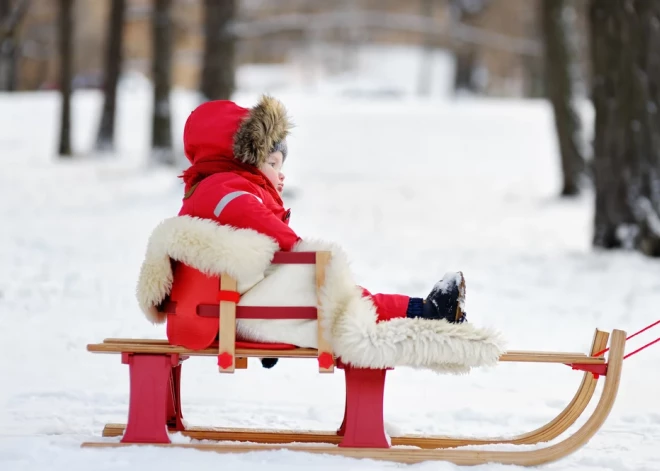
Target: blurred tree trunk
[(66, 63), (626, 96), (535, 86), (350, 35), (10, 19), (106, 133), (466, 55), (5, 9), (466, 64), (7, 48), (559, 62), (161, 140), (426, 64), (218, 71)]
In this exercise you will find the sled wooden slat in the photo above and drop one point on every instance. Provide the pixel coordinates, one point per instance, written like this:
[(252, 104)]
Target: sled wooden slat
[(113, 345), (526, 457), (227, 336), (165, 348), (324, 349), (220, 434)]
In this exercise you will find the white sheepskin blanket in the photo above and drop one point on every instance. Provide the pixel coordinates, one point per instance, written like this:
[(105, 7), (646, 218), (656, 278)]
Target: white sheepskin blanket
[(349, 319)]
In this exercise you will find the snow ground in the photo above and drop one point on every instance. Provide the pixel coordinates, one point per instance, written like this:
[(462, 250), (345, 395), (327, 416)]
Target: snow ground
[(410, 189)]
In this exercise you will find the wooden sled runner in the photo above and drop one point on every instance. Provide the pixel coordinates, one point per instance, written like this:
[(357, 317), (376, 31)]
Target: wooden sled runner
[(155, 400)]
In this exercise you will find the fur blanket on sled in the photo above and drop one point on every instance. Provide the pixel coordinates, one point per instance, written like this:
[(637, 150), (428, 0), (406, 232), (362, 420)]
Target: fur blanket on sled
[(349, 319)]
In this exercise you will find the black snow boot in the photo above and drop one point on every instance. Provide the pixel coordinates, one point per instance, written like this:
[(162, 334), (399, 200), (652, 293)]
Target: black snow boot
[(268, 363), (445, 301)]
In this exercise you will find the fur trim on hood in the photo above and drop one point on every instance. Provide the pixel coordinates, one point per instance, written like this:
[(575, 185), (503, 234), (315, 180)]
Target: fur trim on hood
[(266, 126)]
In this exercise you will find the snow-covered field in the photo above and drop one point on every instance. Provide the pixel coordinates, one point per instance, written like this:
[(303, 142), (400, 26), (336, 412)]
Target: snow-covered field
[(410, 189)]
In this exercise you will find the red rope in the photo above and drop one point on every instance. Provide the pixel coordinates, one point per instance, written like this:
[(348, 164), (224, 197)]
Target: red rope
[(642, 348), (634, 335)]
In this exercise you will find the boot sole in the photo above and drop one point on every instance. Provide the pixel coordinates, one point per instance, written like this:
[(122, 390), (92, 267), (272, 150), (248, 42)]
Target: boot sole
[(459, 315)]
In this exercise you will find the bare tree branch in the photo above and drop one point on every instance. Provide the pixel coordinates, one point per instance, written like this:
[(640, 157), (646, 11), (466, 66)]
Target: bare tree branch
[(378, 19)]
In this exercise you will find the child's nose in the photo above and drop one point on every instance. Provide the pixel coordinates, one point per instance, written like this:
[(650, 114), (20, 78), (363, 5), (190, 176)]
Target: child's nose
[(282, 177)]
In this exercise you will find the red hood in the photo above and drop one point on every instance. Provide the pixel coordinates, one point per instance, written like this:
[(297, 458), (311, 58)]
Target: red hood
[(210, 129)]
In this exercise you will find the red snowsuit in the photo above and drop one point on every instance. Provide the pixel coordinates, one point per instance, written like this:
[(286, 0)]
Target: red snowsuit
[(241, 199)]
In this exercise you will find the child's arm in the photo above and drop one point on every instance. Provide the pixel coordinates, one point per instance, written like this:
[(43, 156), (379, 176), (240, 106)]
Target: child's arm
[(245, 211)]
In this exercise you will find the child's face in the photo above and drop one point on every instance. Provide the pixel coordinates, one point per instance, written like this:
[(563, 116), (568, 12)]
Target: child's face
[(272, 168)]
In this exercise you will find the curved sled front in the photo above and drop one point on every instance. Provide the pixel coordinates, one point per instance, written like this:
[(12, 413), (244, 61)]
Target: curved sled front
[(569, 415), (465, 457)]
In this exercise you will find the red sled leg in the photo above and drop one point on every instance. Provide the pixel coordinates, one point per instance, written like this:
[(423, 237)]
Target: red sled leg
[(174, 413), (363, 425), (150, 391)]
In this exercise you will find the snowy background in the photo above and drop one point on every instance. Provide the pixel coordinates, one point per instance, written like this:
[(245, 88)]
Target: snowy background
[(411, 189)]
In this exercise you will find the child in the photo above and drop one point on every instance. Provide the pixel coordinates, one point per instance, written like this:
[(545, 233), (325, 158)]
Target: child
[(236, 179), (231, 225)]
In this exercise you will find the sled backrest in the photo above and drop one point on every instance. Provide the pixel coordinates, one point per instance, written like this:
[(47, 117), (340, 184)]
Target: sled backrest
[(229, 297)]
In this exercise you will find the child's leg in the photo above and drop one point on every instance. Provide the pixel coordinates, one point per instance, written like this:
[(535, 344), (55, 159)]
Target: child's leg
[(388, 306), (445, 301)]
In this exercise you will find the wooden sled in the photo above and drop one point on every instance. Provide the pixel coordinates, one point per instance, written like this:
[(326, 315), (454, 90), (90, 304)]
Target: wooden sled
[(155, 400)]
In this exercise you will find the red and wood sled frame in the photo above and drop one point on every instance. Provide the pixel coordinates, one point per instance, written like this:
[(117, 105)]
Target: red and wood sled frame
[(155, 398)]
